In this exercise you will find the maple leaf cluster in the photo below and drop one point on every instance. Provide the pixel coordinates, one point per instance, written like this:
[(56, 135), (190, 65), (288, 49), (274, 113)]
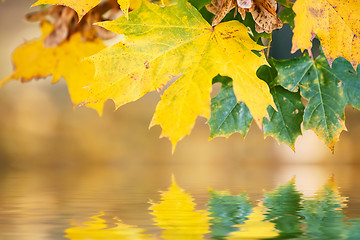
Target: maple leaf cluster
[(212, 41)]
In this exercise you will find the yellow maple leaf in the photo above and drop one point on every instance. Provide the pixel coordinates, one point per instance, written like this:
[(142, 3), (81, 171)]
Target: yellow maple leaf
[(164, 41), (97, 229), (124, 5), (33, 60), (176, 214), (256, 227), (335, 22)]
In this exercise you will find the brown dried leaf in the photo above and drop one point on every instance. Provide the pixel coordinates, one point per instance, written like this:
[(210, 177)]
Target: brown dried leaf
[(265, 16), (214, 6), (220, 8), (61, 29), (66, 23), (242, 12), (263, 12)]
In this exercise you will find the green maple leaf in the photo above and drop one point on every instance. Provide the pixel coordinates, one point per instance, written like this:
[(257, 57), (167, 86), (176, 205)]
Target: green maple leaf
[(287, 14), (227, 115), (328, 90), (199, 3), (284, 124)]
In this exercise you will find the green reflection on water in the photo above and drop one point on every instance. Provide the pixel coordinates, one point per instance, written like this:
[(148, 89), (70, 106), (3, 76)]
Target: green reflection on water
[(323, 215), (283, 213), (284, 205), (226, 211)]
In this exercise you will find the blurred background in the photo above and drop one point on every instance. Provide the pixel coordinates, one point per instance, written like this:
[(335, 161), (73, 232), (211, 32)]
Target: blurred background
[(58, 164)]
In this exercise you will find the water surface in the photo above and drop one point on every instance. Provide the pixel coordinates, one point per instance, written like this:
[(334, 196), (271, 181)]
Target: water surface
[(42, 203)]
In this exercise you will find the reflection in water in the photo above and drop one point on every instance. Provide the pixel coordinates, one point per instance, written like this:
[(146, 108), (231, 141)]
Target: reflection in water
[(323, 214), (176, 214), (282, 214), (256, 227), (226, 211), (98, 229), (284, 204)]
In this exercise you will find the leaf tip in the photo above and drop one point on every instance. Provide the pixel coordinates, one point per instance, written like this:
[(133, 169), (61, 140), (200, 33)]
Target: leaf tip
[(259, 122), (173, 143), (35, 4), (292, 180), (292, 146)]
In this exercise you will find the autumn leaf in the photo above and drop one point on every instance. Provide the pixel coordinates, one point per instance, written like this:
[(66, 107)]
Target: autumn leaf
[(263, 12), (97, 229), (220, 8), (32, 60), (265, 16), (65, 22), (285, 3), (124, 5), (176, 214), (256, 227), (227, 115), (286, 12), (335, 22), (164, 41), (199, 4), (284, 123), (327, 89)]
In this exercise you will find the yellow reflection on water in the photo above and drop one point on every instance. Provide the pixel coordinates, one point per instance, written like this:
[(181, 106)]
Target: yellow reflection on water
[(98, 229), (256, 227), (176, 214)]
